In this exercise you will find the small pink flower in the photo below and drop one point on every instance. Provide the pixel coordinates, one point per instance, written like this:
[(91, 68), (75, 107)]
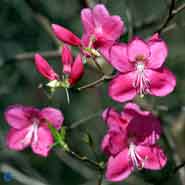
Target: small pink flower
[(29, 127), (141, 69), (131, 142), (100, 31), (73, 69)]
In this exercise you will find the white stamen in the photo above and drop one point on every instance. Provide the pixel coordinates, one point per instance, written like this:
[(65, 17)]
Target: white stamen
[(136, 159), (141, 82), (32, 133)]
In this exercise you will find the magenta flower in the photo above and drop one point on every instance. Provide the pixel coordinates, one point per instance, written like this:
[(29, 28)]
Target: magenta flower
[(131, 142), (72, 69), (29, 127), (141, 69), (100, 31)]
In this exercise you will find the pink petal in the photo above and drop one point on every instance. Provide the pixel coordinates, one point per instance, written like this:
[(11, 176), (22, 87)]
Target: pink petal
[(44, 141), (44, 68), (85, 39), (138, 48), (54, 116), (112, 28), (16, 139), (119, 168), (154, 37), (77, 70), (87, 20), (158, 53), (113, 118), (162, 81), (65, 35), (145, 129), (105, 52), (67, 59), (154, 157), (133, 109), (100, 13), (105, 144), (114, 142), (119, 58), (121, 87), (19, 116)]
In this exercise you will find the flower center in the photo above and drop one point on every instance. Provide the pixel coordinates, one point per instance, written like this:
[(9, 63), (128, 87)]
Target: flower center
[(141, 82), (136, 159), (32, 133)]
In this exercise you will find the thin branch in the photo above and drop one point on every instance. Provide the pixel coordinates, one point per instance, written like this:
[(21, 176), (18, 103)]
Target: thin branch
[(95, 83), (168, 18), (171, 14), (30, 55), (85, 159), (178, 10), (169, 139), (177, 168)]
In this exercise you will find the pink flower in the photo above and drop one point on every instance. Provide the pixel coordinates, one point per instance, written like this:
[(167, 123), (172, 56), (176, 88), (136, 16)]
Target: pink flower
[(100, 31), (141, 69), (29, 127), (73, 69), (131, 142)]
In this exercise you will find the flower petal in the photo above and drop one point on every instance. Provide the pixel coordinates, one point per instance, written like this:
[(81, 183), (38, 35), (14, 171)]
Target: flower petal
[(113, 28), (146, 129), (87, 20), (162, 81), (121, 87), (113, 118), (67, 59), (15, 139), (65, 35), (114, 142), (154, 37), (119, 167), (100, 13), (44, 141), (44, 68), (77, 70), (105, 51), (54, 116), (158, 53), (138, 48), (19, 116), (119, 58), (133, 109), (154, 157)]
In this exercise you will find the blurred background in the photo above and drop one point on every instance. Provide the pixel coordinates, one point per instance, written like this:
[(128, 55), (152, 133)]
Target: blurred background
[(24, 30)]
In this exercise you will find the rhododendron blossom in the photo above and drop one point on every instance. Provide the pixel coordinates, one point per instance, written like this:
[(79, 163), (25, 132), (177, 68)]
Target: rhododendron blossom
[(141, 69), (100, 31), (131, 142), (72, 70), (29, 127)]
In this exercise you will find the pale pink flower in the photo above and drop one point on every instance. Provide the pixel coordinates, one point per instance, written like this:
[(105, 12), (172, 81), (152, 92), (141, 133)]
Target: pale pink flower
[(131, 142), (100, 31), (29, 127), (73, 69), (141, 69)]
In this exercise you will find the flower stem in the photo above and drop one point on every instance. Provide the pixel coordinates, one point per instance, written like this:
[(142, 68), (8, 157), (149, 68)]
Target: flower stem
[(95, 83)]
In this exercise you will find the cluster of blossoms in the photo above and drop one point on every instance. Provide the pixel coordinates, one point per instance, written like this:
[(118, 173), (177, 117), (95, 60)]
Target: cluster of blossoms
[(131, 138)]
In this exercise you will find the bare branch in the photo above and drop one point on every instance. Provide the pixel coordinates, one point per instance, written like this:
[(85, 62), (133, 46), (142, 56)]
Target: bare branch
[(171, 14), (95, 83)]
